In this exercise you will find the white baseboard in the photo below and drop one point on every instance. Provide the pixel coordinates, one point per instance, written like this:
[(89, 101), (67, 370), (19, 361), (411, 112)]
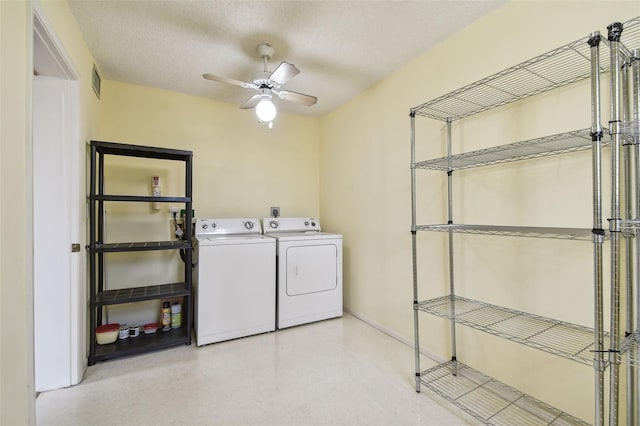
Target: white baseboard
[(400, 338)]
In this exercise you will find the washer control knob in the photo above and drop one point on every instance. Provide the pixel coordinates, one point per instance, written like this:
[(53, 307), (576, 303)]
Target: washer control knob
[(273, 224), (313, 224), (214, 225), (205, 226), (248, 224), (306, 223)]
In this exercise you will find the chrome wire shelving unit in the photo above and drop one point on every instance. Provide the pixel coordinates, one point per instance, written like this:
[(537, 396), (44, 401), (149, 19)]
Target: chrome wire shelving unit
[(573, 62)]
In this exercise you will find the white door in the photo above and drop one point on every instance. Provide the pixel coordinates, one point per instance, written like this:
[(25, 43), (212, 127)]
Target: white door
[(53, 308)]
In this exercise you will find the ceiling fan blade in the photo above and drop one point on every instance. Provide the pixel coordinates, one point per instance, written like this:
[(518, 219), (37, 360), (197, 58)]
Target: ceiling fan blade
[(284, 73), (251, 102), (298, 98), (230, 81)]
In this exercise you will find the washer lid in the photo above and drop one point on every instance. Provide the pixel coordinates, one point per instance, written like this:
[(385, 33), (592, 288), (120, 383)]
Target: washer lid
[(307, 235), (230, 239)]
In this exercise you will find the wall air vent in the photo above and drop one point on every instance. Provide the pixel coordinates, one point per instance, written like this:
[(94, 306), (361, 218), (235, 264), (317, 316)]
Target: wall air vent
[(96, 81)]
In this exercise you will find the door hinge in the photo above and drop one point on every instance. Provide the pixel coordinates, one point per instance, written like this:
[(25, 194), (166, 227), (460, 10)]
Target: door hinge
[(75, 248)]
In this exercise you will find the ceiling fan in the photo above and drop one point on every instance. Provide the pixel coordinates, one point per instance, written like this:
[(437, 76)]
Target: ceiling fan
[(268, 83)]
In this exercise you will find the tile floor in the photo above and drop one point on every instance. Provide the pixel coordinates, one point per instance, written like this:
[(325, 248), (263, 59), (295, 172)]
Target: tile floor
[(335, 372)]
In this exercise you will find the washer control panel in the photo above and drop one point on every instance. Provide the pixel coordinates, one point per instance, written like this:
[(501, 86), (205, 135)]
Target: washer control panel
[(290, 224), (224, 226)]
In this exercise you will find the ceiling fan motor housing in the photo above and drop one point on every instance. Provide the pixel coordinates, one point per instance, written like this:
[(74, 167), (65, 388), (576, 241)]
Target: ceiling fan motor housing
[(265, 51), (261, 79)]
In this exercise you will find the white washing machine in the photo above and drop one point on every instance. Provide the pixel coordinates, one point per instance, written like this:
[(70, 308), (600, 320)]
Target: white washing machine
[(234, 283), (309, 270)]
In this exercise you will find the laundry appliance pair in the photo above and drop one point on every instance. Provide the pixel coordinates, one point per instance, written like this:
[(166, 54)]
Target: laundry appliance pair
[(248, 281)]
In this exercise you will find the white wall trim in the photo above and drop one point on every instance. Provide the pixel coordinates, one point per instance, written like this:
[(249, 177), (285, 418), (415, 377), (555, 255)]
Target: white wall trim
[(399, 337), (55, 48), (78, 314)]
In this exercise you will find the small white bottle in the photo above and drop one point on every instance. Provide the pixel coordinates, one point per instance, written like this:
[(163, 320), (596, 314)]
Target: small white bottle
[(156, 191)]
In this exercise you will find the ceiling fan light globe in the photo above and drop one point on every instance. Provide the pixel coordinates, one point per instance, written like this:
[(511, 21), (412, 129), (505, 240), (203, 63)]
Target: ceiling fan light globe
[(266, 110)]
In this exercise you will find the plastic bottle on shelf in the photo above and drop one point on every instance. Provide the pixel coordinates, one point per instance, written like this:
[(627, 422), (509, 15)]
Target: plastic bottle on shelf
[(166, 316), (156, 191), (176, 315)]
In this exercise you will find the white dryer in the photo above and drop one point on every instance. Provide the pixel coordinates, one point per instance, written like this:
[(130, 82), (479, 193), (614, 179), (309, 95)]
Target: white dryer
[(234, 283), (309, 270)]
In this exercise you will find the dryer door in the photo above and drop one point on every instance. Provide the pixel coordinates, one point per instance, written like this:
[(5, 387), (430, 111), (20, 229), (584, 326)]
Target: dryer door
[(311, 269)]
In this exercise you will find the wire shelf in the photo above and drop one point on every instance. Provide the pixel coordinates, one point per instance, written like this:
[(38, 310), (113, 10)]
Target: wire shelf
[(630, 226), (490, 401), (630, 132), (565, 65), (630, 349), (513, 231), (560, 338), (630, 38), (541, 147)]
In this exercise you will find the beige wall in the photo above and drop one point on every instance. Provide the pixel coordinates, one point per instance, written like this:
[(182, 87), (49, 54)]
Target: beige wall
[(16, 324), (365, 194), (16, 304), (240, 169)]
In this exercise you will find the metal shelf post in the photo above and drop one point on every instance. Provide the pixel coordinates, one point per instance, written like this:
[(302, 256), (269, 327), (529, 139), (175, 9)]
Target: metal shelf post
[(414, 255), (452, 292), (634, 385), (629, 207), (614, 33), (598, 232)]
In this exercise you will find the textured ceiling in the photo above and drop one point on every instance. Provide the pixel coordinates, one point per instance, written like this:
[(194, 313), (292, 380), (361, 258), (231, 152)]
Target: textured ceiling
[(340, 47)]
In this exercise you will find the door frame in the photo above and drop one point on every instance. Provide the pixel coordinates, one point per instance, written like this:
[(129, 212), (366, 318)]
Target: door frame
[(49, 53)]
